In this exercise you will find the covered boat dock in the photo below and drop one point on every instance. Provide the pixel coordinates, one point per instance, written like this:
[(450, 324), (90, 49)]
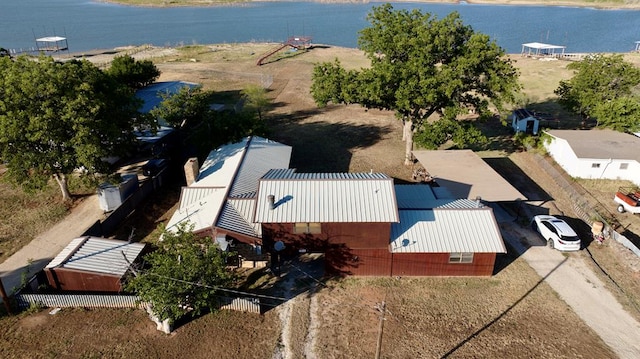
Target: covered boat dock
[(537, 49)]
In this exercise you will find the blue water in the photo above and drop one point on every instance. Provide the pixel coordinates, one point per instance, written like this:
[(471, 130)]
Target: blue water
[(95, 25)]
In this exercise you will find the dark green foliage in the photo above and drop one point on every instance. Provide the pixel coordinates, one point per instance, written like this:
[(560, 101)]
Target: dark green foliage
[(604, 87), (420, 66), (135, 74), (181, 277), (58, 117), (190, 111)]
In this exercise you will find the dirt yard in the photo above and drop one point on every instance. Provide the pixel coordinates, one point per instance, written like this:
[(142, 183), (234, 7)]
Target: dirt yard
[(513, 314)]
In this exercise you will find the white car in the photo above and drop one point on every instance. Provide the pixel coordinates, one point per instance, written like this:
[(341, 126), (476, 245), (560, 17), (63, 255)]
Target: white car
[(557, 233)]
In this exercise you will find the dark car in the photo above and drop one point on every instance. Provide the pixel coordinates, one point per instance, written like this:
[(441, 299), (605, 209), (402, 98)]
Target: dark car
[(154, 166)]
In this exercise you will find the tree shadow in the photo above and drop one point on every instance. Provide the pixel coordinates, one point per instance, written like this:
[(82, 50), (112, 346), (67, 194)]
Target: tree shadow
[(323, 146), (518, 178)]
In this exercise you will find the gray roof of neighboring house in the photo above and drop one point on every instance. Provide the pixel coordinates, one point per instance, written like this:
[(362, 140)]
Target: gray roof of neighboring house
[(327, 197), (447, 231), (152, 95), (466, 175), (99, 255), (600, 144)]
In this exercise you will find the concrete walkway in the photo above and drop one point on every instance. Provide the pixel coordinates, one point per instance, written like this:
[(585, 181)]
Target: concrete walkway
[(570, 277), (39, 252)]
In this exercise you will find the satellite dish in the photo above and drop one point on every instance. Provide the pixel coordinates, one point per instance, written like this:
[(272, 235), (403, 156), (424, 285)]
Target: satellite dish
[(278, 246), (405, 242)]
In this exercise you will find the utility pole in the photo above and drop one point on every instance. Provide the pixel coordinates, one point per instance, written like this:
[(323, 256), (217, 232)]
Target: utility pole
[(382, 310), (5, 298)]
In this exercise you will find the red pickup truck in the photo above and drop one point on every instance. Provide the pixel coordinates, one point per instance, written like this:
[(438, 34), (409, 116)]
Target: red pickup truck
[(628, 200)]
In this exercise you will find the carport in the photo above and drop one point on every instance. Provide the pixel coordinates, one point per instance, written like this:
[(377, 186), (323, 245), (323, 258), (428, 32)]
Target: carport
[(465, 175)]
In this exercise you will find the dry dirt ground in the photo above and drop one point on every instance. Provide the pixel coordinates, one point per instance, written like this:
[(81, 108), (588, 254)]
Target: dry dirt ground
[(514, 314)]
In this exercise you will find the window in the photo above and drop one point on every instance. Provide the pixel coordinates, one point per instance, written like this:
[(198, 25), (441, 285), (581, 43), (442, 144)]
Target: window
[(595, 165), (624, 166), (461, 257), (307, 228)]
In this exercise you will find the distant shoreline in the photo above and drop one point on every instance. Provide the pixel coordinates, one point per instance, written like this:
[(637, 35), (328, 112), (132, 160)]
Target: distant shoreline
[(602, 5)]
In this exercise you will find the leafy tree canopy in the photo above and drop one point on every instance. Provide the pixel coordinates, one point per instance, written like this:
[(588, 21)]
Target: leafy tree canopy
[(604, 87), (135, 74), (182, 276), (190, 110), (420, 66), (59, 117)]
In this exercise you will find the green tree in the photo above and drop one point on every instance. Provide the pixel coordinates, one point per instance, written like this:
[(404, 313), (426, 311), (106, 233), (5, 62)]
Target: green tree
[(182, 275), (190, 111), (255, 99), (620, 114), (421, 66), (56, 118), (600, 84), (190, 106), (135, 74)]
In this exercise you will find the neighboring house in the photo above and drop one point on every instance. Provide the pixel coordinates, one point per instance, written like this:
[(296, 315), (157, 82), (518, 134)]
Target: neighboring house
[(93, 264), (362, 222), (522, 120), (596, 154), (157, 143)]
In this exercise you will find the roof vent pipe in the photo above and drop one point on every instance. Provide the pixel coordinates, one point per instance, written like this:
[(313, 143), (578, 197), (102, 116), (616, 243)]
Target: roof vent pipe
[(271, 198)]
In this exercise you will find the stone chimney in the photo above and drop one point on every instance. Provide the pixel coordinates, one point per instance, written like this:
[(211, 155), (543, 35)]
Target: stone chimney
[(191, 169)]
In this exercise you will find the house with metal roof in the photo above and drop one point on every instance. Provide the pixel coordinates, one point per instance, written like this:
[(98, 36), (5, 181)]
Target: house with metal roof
[(440, 236), (93, 264), (221, 200), (244, 193), (596, 154)]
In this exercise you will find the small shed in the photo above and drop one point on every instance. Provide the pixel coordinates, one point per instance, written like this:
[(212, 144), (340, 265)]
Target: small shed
[(522, 120), (92, 264)]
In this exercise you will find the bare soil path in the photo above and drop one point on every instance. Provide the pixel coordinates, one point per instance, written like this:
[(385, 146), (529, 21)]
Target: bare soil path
[(39, 252)]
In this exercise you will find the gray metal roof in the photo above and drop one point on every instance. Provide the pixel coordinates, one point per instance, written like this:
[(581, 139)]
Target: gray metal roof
[(601, 144), (230, 172), (413, 195), (237, 216), (328, 198), (466, 175), (98, 255), (261, 155), (291, 174), (447, 231)]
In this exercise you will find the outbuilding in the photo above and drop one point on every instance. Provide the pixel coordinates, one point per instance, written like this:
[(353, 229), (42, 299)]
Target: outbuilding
[(596, 154), (523, 120), (93, 264)]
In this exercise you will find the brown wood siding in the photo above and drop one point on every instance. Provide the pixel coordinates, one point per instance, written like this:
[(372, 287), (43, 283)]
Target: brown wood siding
[(353, 235), (73, 280), (437, 264), (363, 262)]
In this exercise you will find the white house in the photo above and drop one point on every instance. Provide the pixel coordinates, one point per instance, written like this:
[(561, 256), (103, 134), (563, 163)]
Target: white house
[(522, 120), (596, 153)]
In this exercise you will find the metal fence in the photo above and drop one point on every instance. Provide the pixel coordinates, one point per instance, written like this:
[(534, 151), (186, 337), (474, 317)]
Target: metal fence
[(585, 205), (247, 304)]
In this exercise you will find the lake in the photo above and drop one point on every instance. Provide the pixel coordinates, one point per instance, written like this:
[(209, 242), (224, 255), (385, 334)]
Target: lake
[(96, 25)]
